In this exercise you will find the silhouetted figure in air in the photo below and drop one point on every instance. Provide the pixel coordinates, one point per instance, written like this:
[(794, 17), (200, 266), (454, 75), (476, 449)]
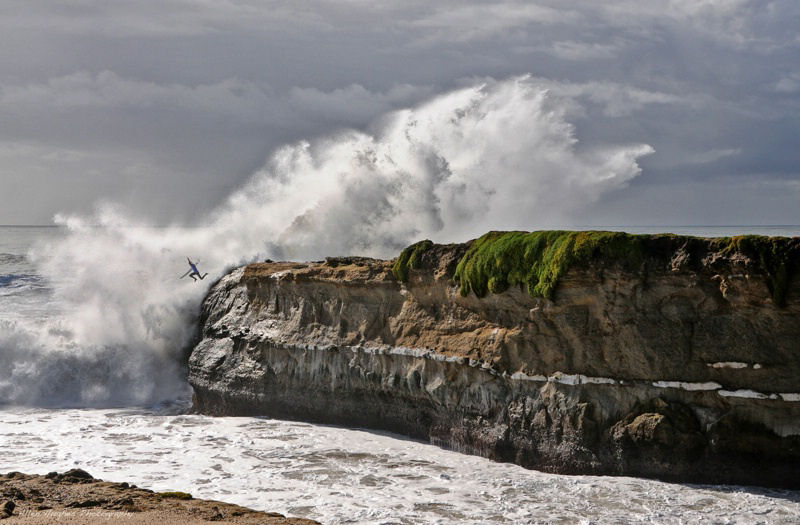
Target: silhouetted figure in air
[(193, 272)]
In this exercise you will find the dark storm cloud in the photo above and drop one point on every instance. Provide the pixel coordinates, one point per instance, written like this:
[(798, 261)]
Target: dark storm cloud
[(167, 105)]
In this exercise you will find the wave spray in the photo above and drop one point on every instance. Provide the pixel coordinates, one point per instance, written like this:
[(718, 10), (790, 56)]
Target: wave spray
[(495, 155)]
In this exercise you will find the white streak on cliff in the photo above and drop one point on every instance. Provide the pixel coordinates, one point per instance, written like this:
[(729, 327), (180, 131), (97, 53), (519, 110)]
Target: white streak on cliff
[(683, 385), (746, 394), (727, 364)]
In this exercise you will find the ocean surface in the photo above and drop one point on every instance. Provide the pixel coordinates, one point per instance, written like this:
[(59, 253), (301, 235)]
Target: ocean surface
[(90, 377)]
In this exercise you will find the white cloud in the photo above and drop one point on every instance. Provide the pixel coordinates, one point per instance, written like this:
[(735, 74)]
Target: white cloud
[(156, 18), (725, 21), (355, 103), (788, 83), (619, 100), (206, 89), (736, 23), (232, 97), (707, 157), (83, 90), (572, 50), (460, 23)]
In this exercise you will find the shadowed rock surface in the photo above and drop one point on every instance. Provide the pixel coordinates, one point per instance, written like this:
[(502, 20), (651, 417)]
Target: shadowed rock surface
[(681, 366)]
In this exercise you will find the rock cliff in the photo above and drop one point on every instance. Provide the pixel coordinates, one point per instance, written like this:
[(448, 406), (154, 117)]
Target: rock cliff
[(659, 356)]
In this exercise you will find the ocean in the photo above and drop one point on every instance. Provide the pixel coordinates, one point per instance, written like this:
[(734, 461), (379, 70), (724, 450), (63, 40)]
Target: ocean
[(91, 377)]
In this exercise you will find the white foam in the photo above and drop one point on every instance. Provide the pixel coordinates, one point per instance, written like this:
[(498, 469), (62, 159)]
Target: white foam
[(352, 476)]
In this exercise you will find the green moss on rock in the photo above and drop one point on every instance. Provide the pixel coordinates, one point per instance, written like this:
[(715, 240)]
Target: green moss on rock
[(538, 260), (498, 260), (410, 258)]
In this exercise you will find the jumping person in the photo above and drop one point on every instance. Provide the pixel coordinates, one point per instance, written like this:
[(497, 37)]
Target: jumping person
[(194, 273)]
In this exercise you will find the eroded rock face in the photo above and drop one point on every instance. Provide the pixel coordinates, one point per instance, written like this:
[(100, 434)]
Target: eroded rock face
[(684, 370)]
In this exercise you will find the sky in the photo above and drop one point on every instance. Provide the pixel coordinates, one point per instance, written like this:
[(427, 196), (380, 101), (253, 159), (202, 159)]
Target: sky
[(167, 107)]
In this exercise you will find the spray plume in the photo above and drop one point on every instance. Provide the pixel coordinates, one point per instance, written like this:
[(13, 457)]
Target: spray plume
[(496, 155)]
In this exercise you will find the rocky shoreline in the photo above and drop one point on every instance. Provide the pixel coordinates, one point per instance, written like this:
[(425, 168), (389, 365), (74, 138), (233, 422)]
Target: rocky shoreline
[(671, 357), (75, 496)]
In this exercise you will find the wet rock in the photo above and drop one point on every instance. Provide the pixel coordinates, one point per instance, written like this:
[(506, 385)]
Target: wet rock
[(123, 502), (734, 435), (86, 503), (660, 438), (70, 502), (7, 509), (14, 493), (76, 474)]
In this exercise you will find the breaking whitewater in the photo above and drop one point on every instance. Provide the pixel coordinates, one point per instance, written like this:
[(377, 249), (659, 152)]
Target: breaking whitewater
[(94, 323)]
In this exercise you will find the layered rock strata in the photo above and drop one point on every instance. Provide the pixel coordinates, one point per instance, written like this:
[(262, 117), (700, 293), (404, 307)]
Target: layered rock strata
[(682, 368)]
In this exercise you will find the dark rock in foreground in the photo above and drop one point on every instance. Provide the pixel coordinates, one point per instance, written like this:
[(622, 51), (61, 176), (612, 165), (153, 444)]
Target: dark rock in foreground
[(76, 497), (681, 361)]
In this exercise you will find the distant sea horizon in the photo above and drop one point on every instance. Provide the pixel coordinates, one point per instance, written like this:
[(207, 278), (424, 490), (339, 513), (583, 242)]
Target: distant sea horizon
[(573, 227), (695, 230)]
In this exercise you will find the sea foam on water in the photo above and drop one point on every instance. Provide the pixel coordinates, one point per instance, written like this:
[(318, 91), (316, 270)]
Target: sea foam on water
[(338, 475)]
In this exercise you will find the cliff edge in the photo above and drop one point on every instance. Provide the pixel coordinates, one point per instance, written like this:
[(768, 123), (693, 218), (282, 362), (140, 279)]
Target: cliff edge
[(572, 352)]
